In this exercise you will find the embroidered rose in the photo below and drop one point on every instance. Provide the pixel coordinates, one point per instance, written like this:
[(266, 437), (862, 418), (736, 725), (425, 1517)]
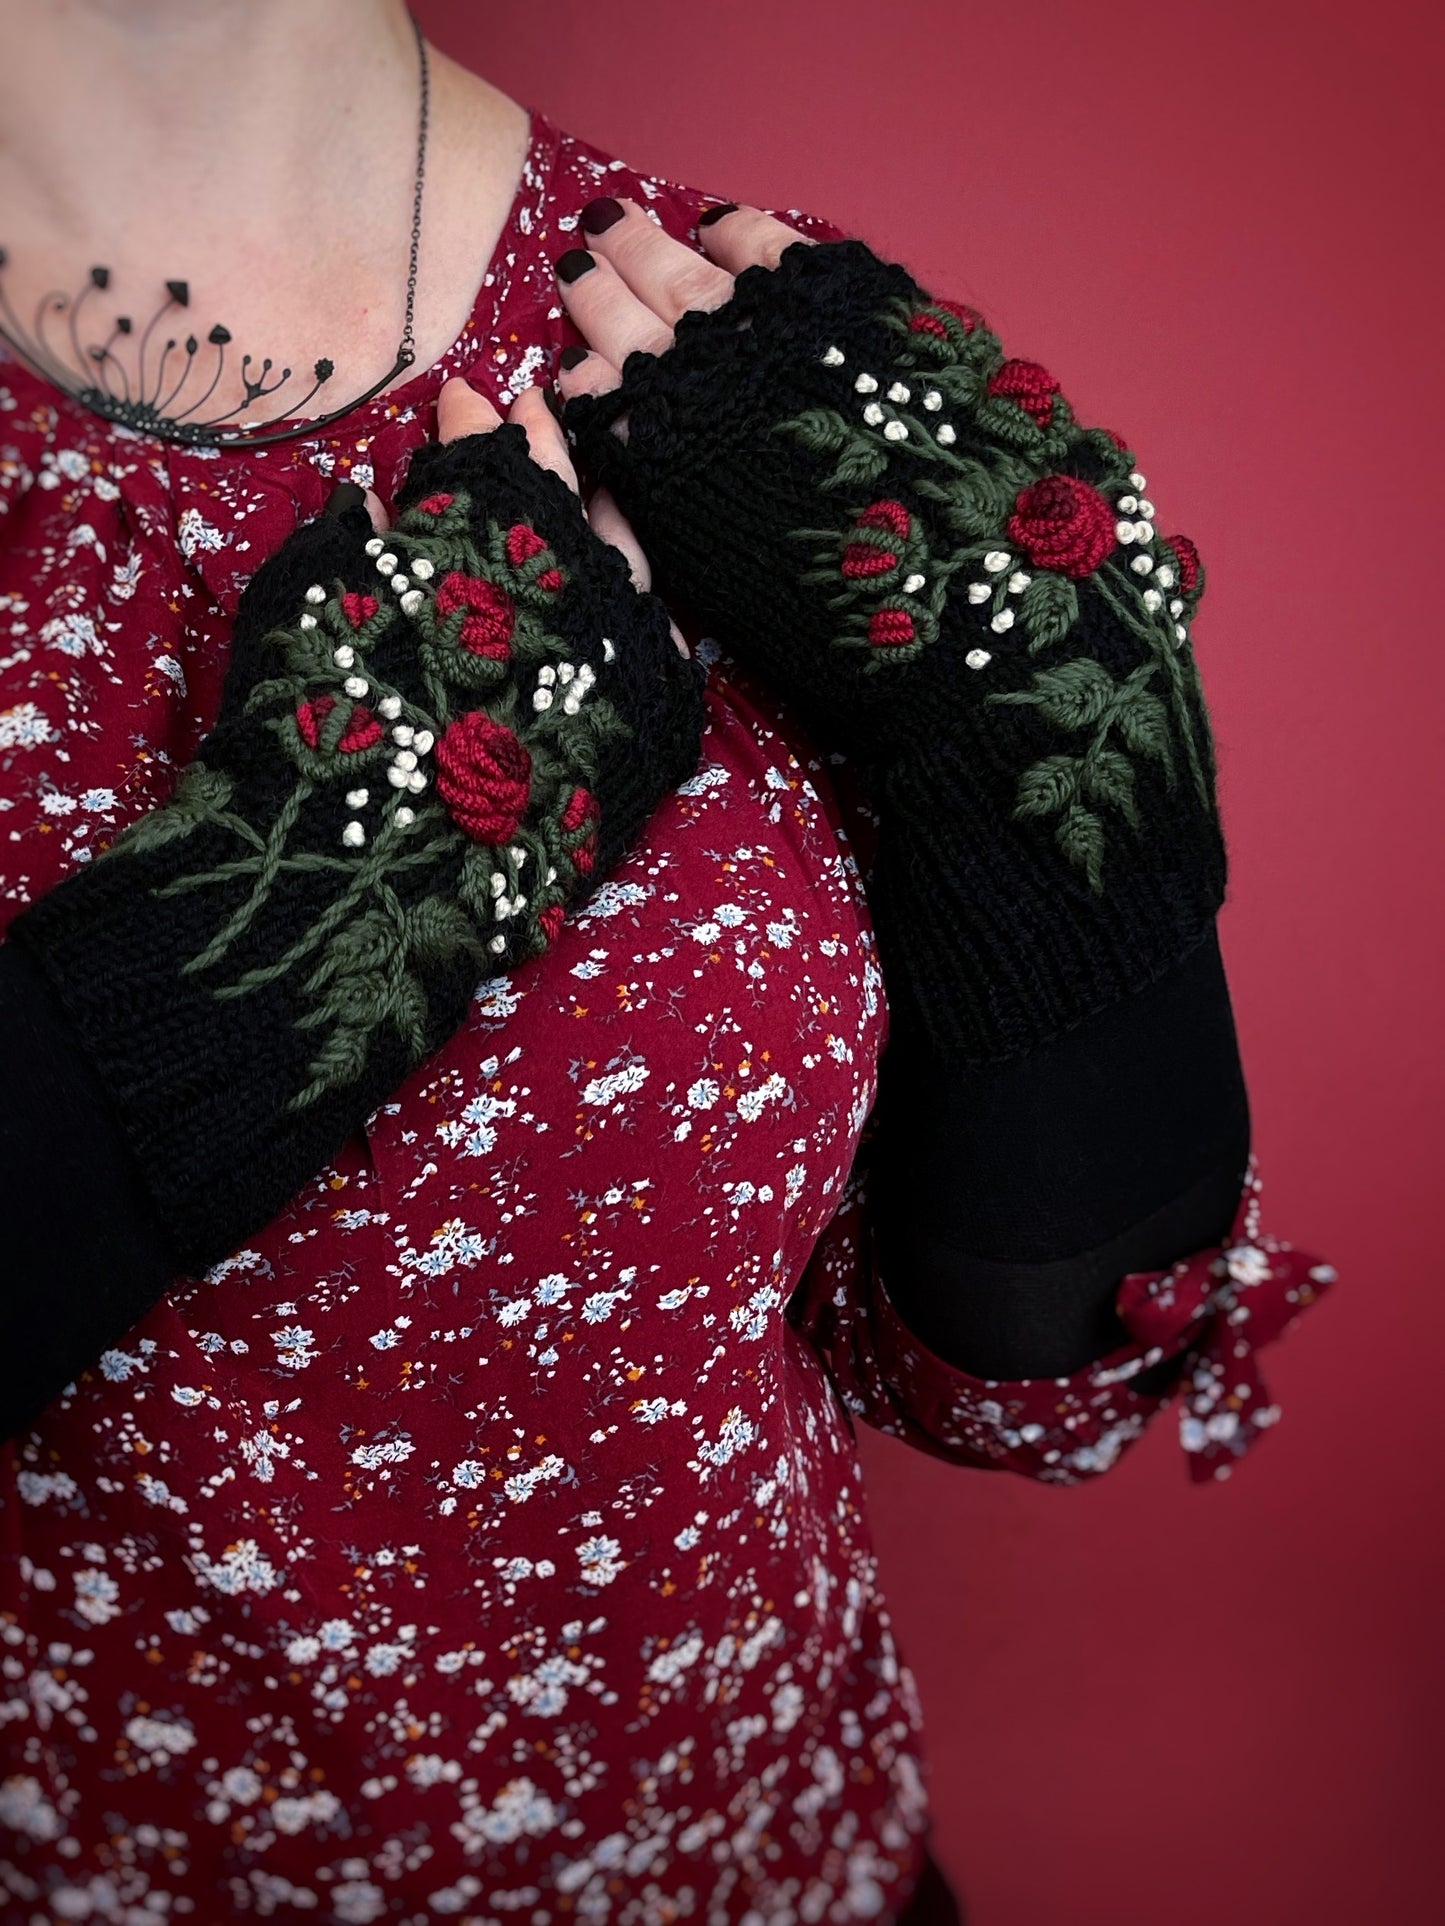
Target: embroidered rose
[(1187, 556), (1061, 523), (436, 504), (363, 731), (484, 776), (891, 629), (582, 808), (1031, 387), (925, 323), (491, 614), (358, 609), (550, 921), (864, 559), (522, 543)]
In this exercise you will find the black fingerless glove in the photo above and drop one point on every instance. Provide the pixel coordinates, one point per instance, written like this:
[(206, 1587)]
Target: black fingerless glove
[(430, 748), (962, 589)]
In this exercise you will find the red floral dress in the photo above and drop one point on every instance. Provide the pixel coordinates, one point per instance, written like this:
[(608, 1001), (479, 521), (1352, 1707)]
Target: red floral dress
[(486, 1540)]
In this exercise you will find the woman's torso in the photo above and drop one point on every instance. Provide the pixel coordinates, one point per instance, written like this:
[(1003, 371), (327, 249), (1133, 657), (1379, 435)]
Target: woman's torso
[(483, 1533)]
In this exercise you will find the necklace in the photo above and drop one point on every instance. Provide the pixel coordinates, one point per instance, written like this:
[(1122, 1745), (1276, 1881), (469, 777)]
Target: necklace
[(150, 402)]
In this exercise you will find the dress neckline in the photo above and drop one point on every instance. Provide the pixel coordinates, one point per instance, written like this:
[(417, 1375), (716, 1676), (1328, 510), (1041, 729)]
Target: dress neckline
[(529, 194)]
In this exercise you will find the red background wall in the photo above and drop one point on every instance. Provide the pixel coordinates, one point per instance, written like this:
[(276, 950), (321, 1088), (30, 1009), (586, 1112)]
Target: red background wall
[(1152, 1705)]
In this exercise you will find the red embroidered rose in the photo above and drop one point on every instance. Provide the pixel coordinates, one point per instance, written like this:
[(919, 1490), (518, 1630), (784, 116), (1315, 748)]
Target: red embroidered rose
[(891, 629), (363, 731), (861, 560), (1063, 524), (486, 628), (1188, 558), (550, 579), (925, 323), (582, 807), (522, 544), (358, 608), (892, 516), (1033, 389), (484, 776), (551, 920), (436, 504)]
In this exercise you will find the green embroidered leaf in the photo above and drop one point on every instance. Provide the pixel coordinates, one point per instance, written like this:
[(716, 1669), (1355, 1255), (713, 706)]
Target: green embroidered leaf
[(1050, 609), (439, 930), (340, 1060), (408, 1012), (1075, 694), (1143, 721), (1080, 835), (864, 462), (1108, 776), (201, 795), (1047, 786), (821, 429)]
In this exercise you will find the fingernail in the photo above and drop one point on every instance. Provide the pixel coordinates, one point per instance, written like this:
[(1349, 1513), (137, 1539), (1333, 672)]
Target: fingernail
[(571, 355), (574, 264), (601, 214), (716, 213), (345, 496)]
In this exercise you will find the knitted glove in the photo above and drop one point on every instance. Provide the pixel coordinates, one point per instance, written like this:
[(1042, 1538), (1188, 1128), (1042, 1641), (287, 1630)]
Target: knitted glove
[(430, 748), (963, 590)]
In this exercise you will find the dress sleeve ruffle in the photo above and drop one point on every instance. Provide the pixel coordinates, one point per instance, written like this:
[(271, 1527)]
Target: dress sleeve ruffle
[(1196, 1330)]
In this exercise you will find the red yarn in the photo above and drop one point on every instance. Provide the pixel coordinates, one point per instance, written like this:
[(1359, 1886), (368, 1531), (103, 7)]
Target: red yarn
[(358, 608), (1033, 388), (491, 616), (861, 560), (436, 504), (890, 515), (1189, 563), (582, 808), (551, 579), (891, 629), (1063, 524), (363, 731), (925, 323), (484, 776), (551, 920), (523, 543)]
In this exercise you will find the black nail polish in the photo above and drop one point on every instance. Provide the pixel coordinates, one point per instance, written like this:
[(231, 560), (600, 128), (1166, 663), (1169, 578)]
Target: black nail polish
[(601, 214), (571, 355), (574, 264), (716, 213), (345, 496)]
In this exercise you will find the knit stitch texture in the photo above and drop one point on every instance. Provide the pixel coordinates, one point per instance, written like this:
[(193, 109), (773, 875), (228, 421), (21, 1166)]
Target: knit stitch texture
[(431, 746), (962, 589)]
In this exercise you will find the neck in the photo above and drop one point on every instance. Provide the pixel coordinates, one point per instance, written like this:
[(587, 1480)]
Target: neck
[(239, 110)]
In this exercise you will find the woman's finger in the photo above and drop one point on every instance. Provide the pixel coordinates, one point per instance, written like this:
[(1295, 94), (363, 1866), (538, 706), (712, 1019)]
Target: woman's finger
[(462, 411), (582, 371), (612, 525), (667, 275), (379, 519), (740, 237), (614, 320), (545, 440)]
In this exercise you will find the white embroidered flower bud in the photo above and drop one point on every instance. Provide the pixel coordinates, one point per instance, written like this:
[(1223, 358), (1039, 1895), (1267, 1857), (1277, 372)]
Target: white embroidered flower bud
[(517, 854), (866, 385), (353, 835), (899, 393), (344, 657), (375, 545), (1164, 575), (1181, 632), (979, 592), (386, 562), (405, 816), (497, 945), (400, 584), (1143, 532), (316, 593), (566, 671), (356, 799), (833, 358), (608, 652), (422, 569), (1146, 509), (541, 699), (978, 658), (546, 673), (912, 584), (872, 414), (405, 759), (1018, 582), (498, 883), (416, 782), (1176, 607), (947, 434), (932, 400), (1127, 504), (1142, 564), (1002, 621), (551, 874), (1153, 600), (896, 431), (396, 777), (390, 707), (1136, 480), (1124, 531), (996, 561), (356, 685), (402, 735), (412, 601), (308, 622), (423, 742)]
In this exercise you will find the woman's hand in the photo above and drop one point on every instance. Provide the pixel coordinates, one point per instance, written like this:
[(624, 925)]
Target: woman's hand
[(462, 411), (627, 287)]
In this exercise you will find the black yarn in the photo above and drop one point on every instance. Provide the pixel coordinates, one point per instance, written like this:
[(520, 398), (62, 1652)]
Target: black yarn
[(992, 942), (205, 1086)]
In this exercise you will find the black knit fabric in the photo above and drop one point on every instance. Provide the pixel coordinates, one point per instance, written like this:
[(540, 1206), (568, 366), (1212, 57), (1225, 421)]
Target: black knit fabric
[(247, 984), (832, 450)]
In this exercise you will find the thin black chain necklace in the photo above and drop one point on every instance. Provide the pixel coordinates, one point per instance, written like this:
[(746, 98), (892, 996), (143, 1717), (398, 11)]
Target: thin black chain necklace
[(92, 373)]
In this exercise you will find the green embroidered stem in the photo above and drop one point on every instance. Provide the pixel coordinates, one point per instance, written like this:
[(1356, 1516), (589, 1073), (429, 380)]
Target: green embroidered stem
[(1166, 651), (265, 877)]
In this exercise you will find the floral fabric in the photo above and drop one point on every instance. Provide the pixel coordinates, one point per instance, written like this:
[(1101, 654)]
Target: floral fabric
[(486, 1541)]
